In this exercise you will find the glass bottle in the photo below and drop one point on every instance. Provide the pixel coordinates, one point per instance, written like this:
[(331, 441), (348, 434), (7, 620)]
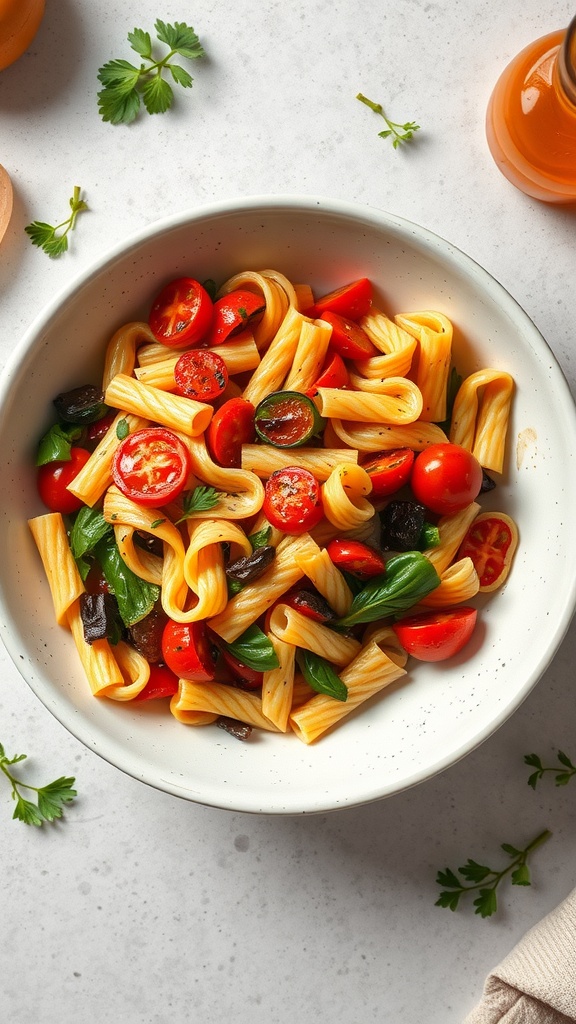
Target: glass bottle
[(531, 118)]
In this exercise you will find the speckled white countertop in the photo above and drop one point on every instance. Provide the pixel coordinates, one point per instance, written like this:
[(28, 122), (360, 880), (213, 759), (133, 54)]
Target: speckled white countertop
[(140, 908)]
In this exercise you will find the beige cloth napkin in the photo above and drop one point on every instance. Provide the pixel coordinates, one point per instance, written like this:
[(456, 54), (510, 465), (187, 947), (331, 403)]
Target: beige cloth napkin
[(536, 982)]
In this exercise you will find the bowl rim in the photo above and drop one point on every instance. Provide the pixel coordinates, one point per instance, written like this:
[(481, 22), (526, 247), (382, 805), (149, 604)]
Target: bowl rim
[(426, 240)]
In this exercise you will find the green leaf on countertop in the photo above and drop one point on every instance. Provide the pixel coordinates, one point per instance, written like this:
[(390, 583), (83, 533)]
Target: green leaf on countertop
[(50, 799), (399, 133), (53, 239), (485, 880), (562, 778), (125, 86)]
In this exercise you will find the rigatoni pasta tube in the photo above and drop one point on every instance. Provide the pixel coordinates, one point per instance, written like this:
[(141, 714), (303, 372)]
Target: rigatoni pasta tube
[(278, 684), (452, 529), (222, 699), (293, 627), (399, 402), (481, 414), (327, 578), (100, 666), (172, 411), (395, 344), (265, 460), (344, 496), (369, 673), (49, 532), (241, 493), (255, 598), (122, 348), (431, 363), (458, 583), (271, 372), (377, 437), (309, 355)]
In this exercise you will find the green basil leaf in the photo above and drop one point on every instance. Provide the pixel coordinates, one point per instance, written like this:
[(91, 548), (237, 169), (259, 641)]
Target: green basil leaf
[(429, 537), (136, 597), (261, 538), (409, 577), (88, 528), (56, 444), (254, 649), (321, 675)]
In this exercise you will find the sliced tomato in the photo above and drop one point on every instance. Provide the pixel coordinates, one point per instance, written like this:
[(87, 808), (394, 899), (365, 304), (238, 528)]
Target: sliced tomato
[(163, 682), (181, 313), (151, 466), (356, 557), (53, 479), (250, 678), (389, 471), (292, 500), (287, 419), (234, 313), (446, 478), (352, 300), (490, 542), (231, 426), (333, 375), (187, 651), (200, 374), (437, 635), (348, 339)]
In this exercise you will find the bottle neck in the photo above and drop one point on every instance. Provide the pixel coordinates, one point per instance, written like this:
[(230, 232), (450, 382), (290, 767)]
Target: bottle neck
[(567, 63)]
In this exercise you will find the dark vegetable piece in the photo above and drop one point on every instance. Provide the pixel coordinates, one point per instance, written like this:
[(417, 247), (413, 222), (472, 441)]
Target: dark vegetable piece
[(488, 484), (402, 524), (238, 729), (81, 405), (287, 419), (312, 604), (100, 618), (146, 635), (251, 566)]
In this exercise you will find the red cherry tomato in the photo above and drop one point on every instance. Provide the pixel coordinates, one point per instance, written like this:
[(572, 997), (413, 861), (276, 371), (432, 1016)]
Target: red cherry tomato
[(234, 313), (355, 557), (201, 375), (181, 313), (334, 375), (352, 301), (187, 652), (347, 338), (446, 478), (162, 683), (53, 479), (250, 678), (389, 471), (292, 500), (151, 466), (490, 542), (437, 635), (231, 426)]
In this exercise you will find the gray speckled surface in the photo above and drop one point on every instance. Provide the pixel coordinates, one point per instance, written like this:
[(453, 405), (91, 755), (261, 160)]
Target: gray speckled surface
[(141, 908)]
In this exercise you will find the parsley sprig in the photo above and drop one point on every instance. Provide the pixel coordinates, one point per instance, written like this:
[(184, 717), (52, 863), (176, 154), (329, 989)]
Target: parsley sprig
[(53, 239), (564, 770), (201, 499), (50, 798), (485, 880), (398, 132), (124, 83)]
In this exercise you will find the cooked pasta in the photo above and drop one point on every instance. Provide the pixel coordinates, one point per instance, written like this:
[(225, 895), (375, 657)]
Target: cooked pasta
[(249, 589)]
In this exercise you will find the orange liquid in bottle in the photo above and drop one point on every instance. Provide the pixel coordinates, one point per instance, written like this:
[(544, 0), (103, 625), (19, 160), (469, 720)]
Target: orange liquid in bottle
[(531, 119)]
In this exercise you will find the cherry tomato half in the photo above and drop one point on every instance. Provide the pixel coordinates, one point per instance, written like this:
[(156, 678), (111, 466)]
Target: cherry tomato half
[(446, 478), (187, 652), (333, 375), (181, 313), (490, 542), (53, 479), (200, 374), (347, 338), (352, 301), (355, 557), (437, 635), (292, 500), (234, 313), (389, 471), (162, 683), (151, 466), (231, 426)]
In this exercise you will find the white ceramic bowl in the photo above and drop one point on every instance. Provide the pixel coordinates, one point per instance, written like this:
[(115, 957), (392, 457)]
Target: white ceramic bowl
[(440, 712)]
